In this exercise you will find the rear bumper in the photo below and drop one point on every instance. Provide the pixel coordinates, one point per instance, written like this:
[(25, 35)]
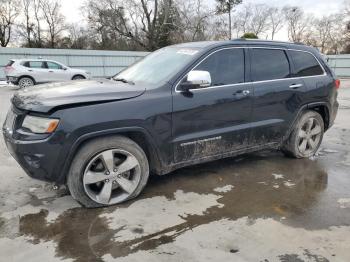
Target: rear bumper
[(12, 79), (333, 114)]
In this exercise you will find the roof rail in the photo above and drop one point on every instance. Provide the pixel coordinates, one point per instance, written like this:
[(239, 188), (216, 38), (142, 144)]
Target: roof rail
[(266, 41), (298, 43)]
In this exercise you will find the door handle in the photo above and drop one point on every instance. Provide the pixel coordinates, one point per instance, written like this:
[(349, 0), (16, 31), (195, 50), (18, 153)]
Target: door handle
[(242, 93), (30, 70), (50, 71), (295, 86)]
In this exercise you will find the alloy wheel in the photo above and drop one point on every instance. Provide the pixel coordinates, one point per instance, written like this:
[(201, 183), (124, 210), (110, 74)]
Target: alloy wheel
[(25, 82), (112, 176), (309, 136)]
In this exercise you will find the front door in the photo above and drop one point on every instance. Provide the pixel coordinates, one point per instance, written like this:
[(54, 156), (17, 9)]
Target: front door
[(214, 120), (56, 72)]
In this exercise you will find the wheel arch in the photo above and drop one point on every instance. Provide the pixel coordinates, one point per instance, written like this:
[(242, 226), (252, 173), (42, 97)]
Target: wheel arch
[(78, 75), (323, 110), (320, 107), (137, 134), (28, 76)]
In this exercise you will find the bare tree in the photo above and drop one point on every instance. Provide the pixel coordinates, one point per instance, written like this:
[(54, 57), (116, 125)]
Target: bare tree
[(276, 20), (323, 29), (259, 22), (30, 25), (296, 21), (241, 21), (9, 10), (328, 33), (76, 37), (149, 23), (252, 18), (195, 20), (226, 7), (26, 28), (38, 19), (339, 37), (54, 20)]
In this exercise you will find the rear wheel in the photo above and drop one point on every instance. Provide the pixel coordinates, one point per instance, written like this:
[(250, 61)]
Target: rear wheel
[(306, 136), (108, 171), (25, 82)]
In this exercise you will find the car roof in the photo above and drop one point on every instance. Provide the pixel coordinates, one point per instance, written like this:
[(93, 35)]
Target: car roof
[(245, 42), (34, 60)]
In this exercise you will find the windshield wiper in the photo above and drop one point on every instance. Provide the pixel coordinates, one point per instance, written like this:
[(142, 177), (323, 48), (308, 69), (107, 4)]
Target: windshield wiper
[(124, 81)]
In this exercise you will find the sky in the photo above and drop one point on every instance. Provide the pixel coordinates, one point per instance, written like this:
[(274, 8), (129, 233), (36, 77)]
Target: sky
[(72, 8)]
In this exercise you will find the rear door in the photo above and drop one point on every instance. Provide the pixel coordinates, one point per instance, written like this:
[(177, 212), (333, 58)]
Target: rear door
[(214, 120), (277, 94), (37, 70), (307, 67)]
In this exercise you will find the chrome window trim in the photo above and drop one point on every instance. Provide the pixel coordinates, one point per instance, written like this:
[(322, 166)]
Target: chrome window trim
[(324, 71), (251, 82)]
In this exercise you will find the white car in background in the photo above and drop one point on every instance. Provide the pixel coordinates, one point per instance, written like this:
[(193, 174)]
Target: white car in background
[(29, 72)]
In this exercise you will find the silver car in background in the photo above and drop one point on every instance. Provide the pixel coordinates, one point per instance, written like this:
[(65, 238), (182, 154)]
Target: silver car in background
[(29, 72)]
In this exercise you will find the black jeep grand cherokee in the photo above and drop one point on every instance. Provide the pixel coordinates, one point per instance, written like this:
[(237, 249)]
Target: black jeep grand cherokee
[(179, 106)]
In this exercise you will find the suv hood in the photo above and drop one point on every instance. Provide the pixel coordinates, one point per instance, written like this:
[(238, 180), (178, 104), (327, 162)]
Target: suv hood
[(43, 98)]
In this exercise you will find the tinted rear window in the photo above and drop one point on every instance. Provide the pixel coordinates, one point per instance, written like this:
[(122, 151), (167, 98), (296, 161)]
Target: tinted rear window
[(34, 64), (225, 66), (305, 64), (10, 63), (269, 64)]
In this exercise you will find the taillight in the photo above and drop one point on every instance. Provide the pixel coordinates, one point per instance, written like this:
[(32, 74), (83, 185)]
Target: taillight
[(8, 68), (337, 83)]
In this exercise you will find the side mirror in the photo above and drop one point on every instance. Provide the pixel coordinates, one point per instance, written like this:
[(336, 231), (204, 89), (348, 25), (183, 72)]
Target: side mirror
[(196, 79), (65, 68)]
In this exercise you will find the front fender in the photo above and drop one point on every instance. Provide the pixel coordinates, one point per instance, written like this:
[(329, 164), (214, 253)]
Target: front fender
[(115, 131)]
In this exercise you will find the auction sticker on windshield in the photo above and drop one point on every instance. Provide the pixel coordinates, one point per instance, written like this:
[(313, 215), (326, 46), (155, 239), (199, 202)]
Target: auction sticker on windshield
[(187, 51)]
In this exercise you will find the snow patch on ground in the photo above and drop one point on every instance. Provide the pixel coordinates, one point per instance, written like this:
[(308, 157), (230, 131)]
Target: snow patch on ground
[(328, 150), (344, 202), (55, 208), (224, 189), (20, 249), (267, 237), (158, 213), (288, 184), (278, 176)]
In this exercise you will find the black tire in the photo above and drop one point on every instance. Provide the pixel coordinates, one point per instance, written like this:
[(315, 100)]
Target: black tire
[(78, 77), (89, 151), (293, 145)]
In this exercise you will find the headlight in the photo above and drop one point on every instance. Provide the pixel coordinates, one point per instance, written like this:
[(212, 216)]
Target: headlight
[(40, 125)]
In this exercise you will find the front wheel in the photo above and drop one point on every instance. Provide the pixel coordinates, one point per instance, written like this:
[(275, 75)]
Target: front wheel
[(78, 77), (108, 171), (306, 136)]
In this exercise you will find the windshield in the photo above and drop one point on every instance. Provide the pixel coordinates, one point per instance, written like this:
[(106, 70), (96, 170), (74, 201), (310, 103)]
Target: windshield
[(158, 66)]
